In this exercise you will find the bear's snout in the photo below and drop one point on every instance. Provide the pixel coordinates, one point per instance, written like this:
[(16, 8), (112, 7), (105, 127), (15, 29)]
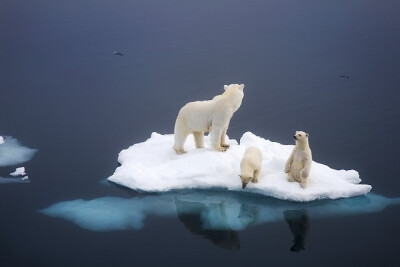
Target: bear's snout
[(294, 137)]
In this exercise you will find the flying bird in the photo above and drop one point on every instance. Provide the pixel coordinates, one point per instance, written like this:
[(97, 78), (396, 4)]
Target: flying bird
[(118, 53)]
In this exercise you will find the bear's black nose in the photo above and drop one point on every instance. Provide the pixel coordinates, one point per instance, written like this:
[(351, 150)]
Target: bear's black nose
[(294, 137)]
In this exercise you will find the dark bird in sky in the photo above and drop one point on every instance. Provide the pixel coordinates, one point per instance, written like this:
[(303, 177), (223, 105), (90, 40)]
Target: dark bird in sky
[(118, 53), (344, 76)]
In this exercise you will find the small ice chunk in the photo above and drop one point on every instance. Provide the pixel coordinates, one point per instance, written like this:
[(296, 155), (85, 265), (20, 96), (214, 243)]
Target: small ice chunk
[(1, 140), (19, 172), (25, 178)]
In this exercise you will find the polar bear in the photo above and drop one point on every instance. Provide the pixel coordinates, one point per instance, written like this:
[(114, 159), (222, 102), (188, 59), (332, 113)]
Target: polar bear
[(250, 166), (298, 165), (211, 116)]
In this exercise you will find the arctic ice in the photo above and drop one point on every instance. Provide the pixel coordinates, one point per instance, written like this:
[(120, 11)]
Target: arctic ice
[(153, 166), (12, 152), (20, 171), (213, 210)]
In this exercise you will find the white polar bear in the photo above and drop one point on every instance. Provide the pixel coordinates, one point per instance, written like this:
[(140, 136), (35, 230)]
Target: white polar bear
[(211, 116), (250, 166), (298, 165)]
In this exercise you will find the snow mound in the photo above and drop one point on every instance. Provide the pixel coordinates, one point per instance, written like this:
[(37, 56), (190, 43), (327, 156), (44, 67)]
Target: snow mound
[(153, 166)]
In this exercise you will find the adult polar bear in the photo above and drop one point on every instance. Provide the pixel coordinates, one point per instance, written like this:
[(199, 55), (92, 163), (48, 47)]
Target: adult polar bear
[(211, 116)]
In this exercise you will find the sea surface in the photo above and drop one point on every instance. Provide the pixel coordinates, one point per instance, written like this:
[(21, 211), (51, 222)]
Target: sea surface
[(330, 68)]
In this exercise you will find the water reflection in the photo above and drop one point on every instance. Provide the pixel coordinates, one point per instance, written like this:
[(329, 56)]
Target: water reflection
[(215, 216), (299, 225), (191, 214)]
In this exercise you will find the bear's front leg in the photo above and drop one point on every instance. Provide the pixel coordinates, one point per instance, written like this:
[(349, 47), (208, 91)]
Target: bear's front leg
[(223, 142), (255, 177), (215, 134)]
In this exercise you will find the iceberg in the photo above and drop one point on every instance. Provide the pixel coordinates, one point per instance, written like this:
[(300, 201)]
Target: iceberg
[(12, 152), (153, 166), (202, 211)]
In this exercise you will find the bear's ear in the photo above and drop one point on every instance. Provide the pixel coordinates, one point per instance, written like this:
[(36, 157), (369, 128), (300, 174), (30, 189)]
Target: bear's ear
[(241, 86), (225, 87)]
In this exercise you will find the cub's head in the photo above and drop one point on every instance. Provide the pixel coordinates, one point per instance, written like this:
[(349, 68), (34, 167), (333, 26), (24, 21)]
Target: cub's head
[(235, 93), (245, 180), (300, 136)]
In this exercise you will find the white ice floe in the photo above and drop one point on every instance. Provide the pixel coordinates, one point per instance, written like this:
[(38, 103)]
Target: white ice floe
[(212, 210), (12, 152), (19, 172), (153, 166), (1, 140)]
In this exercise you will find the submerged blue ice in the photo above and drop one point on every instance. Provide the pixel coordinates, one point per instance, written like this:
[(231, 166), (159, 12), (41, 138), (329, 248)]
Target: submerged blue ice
[(206, 210), (12, 152)]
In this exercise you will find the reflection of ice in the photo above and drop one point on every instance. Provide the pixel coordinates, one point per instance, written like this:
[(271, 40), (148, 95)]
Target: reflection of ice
[(154, 166), (14, 180), (211, 210), (111, 213), (12, 152)]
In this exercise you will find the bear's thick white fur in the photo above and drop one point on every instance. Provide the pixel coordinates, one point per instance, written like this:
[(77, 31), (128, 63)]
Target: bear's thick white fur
[(250, 166), (211, 116), (298, 165)]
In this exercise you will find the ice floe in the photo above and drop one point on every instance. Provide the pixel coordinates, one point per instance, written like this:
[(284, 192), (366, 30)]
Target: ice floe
[(12, 152), (153, 166)]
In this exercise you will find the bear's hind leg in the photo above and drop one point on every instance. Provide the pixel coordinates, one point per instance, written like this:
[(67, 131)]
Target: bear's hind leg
[(180, 139), (303, 182), (199, 139), (290, 178)]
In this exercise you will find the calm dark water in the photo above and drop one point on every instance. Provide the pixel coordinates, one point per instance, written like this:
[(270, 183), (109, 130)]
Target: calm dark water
[(63, 92)]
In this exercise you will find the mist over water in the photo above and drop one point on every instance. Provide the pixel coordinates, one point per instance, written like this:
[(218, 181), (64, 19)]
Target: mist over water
[(328, 68)]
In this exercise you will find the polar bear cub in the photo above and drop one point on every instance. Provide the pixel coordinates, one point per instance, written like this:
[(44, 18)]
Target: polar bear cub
[(250, 166), (298, 165), (211, 116)]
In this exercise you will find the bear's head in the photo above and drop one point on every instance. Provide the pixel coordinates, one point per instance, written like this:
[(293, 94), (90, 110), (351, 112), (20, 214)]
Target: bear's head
[(235, 94), (300, 136), (245, 180)]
